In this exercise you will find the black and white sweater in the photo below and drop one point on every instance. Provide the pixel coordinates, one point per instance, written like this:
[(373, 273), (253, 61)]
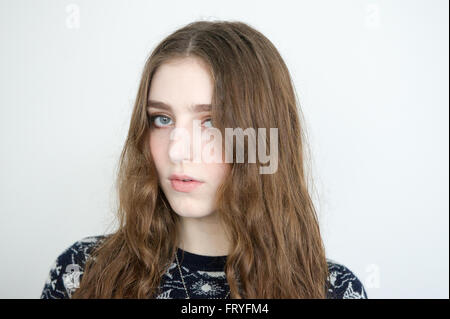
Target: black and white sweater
[(203, 276)]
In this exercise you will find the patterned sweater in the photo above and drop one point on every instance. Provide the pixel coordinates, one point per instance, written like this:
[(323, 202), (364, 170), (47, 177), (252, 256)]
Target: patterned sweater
[(203, 276)]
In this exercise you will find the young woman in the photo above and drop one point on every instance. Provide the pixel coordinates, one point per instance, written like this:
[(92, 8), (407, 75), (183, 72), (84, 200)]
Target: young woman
[(209, 229)]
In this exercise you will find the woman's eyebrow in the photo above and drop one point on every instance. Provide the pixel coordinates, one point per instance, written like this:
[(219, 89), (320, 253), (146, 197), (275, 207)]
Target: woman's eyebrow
[(193, 108)]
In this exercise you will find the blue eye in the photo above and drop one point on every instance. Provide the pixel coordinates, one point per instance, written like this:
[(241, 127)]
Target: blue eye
[(210, 121), (164, 120)]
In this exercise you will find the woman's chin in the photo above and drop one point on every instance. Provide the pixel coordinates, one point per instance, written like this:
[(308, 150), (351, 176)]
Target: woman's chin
[(195, 213)]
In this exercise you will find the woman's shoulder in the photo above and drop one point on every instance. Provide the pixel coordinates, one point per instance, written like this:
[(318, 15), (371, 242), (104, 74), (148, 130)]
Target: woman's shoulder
[(67, 269), (343, 283), (80, 250)]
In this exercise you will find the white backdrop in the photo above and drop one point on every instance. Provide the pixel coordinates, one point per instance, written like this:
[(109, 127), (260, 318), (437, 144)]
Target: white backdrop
[(372, 79)]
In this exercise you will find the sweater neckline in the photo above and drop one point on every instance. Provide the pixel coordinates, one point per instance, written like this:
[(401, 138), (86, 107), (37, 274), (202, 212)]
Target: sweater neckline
[(201, 262)]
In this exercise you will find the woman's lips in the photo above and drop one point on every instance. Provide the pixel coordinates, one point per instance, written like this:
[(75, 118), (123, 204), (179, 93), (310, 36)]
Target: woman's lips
[(184, 187)]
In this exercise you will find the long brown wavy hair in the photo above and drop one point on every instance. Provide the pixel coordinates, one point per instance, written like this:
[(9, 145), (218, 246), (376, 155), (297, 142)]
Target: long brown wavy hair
[(276, 249)]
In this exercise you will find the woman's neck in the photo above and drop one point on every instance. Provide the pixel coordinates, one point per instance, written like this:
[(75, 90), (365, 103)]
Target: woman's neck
[(203, 236)]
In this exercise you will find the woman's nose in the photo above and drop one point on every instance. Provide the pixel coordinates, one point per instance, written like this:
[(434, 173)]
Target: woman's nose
[(180, 145)]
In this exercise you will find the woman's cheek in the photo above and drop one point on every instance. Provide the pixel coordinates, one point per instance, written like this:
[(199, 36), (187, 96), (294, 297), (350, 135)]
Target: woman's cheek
[(211, 148), (157, 147)]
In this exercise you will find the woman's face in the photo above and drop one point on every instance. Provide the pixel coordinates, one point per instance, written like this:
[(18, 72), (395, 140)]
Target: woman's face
[(180, 85)]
